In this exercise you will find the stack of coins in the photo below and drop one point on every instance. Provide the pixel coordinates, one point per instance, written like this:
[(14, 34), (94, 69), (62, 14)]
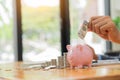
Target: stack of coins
[(53, 62), (60, 62), (48, 63), (66, 64)]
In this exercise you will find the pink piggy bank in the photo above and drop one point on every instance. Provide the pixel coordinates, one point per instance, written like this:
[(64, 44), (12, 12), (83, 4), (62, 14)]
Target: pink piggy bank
[(79, 56)]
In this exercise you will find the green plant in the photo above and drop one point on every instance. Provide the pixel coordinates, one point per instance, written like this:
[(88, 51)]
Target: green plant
[(117, 22)]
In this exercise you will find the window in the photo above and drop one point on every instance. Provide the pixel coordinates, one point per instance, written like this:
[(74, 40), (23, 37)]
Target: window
[(6, 31), (41, 29)]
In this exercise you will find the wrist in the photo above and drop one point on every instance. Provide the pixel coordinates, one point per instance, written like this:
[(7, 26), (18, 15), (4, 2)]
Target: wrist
[(117, 38)]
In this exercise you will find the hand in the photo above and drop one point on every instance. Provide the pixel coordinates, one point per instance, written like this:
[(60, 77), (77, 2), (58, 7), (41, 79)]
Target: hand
[(95, 57), (104, 27)]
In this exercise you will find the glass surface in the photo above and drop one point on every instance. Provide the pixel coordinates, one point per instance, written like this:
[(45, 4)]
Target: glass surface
[(81, 10), (41, 30), (6, 31)]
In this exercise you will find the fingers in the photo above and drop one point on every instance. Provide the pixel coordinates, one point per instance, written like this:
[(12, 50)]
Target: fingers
[(100, 24), (103, 29), (90, 22)]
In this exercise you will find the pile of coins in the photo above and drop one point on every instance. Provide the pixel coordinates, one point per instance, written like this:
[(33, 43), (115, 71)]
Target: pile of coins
[(59, 63)]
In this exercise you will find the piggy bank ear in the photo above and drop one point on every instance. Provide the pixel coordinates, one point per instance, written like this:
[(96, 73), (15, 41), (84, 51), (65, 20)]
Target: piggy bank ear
[(68, 47)]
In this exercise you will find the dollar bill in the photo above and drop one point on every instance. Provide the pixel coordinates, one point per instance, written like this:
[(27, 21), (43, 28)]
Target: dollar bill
[(83, 30)]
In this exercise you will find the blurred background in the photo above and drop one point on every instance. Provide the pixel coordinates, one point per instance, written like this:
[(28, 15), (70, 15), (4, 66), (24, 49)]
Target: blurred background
[(41, 27)]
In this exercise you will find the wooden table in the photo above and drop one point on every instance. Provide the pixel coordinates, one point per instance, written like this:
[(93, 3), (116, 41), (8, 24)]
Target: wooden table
[(14, 71)]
